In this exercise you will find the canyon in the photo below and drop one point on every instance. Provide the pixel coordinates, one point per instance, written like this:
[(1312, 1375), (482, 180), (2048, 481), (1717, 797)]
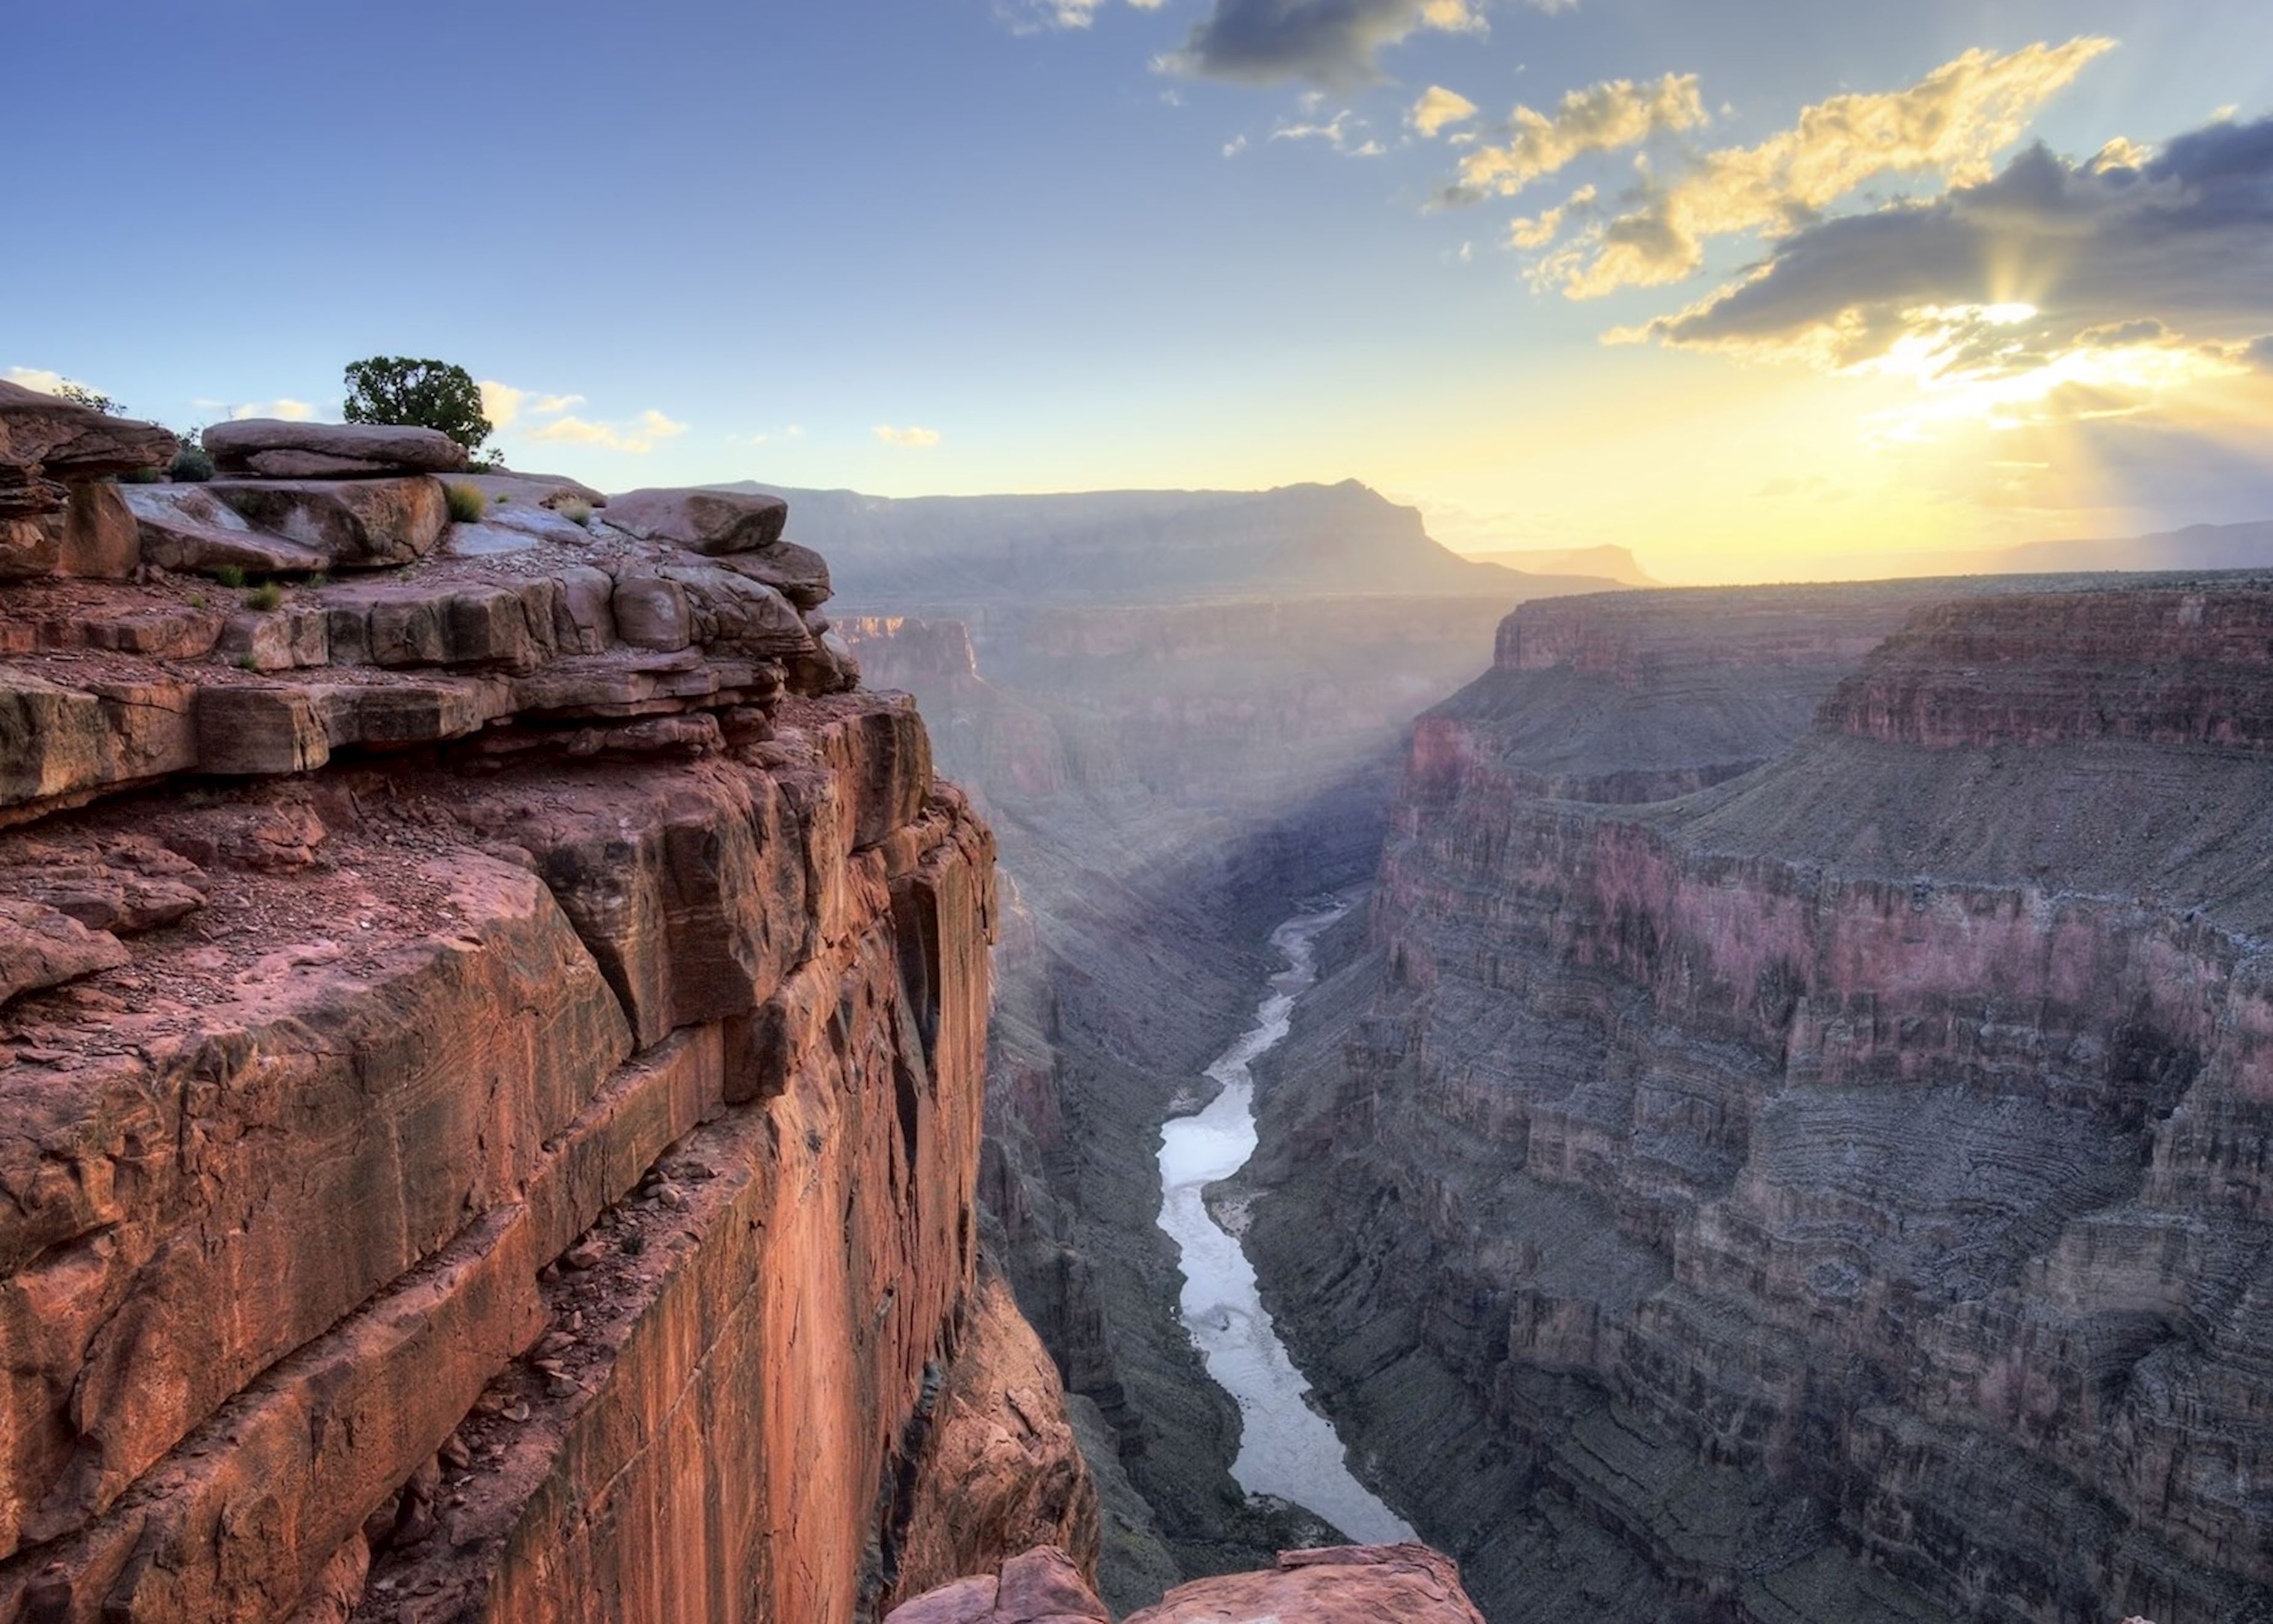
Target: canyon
[(1788, 1140), (495, 1025), (1168, 771), (577, 1057)]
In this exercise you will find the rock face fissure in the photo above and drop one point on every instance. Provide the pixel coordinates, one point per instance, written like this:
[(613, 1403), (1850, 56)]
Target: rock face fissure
[(1285, 1448), (494, 1064), (1750, 1167)]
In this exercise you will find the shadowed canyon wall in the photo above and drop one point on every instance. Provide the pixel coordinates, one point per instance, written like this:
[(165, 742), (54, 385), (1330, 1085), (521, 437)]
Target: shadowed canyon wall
[(1790, 1141)]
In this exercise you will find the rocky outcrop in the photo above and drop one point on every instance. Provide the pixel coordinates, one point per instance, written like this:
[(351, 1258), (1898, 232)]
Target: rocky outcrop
[(490, 1111), (1340, 1584), (58, 516), (1830, 1189)]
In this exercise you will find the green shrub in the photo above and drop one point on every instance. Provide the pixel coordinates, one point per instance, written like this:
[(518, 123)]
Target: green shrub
[(141, 477), (575, 511), (467, 502), (192, 466), (230, 576), (196, 600), (430, 395), (264, 596), (319, 578)]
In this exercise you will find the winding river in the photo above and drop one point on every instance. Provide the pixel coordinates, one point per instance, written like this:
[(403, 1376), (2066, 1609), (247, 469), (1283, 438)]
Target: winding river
[(1286, 1448)]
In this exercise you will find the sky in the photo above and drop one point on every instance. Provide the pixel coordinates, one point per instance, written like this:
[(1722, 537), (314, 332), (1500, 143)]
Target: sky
[(1761, 288)]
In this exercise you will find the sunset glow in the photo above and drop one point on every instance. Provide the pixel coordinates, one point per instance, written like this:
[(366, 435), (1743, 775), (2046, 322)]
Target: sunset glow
[(1558, 273)]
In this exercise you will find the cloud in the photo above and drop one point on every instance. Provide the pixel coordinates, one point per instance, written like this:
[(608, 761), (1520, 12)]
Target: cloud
[(1601, 118), (1951, 124), (37, 377), (502, 404), (290, 410), (1541, 229), (912, 438), (2047, 253), (1032, 16), (1339, 133), (2054, 296), (1438, 109), (1325, 42), (637, 438)]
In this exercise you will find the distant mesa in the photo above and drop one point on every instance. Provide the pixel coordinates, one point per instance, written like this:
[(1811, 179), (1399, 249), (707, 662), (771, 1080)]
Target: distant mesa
[(897, 555), (1612, 564)]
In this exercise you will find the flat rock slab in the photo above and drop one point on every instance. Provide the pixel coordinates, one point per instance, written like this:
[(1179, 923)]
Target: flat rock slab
[(378, 448), (704, 522)]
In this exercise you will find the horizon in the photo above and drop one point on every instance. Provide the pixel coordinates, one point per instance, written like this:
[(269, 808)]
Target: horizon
[(1789, 299)]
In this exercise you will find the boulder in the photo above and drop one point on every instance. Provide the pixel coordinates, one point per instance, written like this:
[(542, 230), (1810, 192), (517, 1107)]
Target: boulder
[(705, 521), (186, 527), (355, 522), (97, 538), (48, 443), (382, 448), (652, 613), (40, 946), (798, 574), (733, 614)]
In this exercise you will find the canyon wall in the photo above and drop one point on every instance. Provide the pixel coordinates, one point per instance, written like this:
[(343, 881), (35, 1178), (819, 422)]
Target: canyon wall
[(1757, 1168), (493, 1068)]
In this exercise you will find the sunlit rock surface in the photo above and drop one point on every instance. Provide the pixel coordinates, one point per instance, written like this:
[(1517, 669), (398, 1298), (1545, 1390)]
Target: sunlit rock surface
[(489, 1110)]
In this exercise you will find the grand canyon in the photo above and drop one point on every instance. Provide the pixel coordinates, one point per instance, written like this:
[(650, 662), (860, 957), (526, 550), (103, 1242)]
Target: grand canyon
[(1176, 812)]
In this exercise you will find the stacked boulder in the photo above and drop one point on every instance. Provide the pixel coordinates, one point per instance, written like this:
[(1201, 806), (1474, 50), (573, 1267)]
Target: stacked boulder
[(59, 515)]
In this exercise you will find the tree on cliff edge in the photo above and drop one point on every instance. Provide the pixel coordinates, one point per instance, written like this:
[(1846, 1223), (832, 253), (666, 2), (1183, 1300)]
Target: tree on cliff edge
[(426, 393)]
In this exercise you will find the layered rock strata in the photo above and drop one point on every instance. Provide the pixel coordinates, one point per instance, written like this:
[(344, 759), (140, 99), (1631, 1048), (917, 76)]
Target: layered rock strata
[(491, 1087), (1833, 1189)]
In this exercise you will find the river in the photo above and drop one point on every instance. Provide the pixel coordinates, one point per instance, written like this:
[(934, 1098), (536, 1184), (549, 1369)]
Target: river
[(1286, 1448)]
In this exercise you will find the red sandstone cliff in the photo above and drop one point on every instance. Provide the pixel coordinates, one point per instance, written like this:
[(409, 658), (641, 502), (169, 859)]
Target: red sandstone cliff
[(1836, 1193), (492, 1081)]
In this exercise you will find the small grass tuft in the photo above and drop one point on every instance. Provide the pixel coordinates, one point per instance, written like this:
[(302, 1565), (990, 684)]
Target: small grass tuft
[(467, 502), (577, 513), (246, 662), (230, 575), (196, 600), (264, 596), (319, 578)]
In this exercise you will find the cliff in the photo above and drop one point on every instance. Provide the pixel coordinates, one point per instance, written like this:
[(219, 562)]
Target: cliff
[(1775, 1171), (493, 1077)]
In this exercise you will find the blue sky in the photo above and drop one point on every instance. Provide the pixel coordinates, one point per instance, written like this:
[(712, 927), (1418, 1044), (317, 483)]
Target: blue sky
[(1046, 251)]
